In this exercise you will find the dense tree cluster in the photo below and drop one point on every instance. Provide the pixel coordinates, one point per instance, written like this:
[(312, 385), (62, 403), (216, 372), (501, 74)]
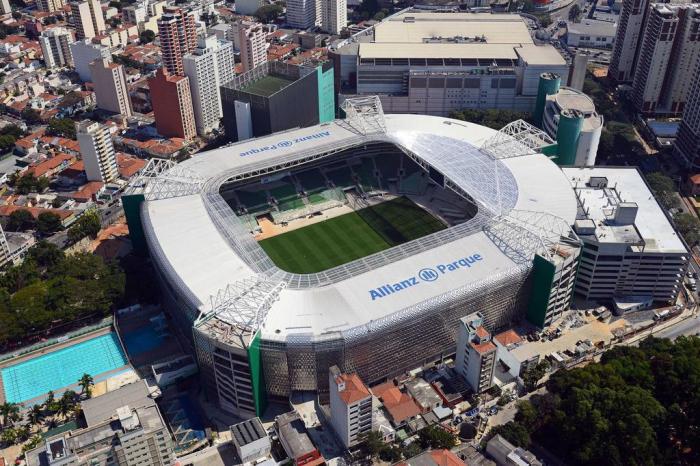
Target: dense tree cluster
[(88, 224), (269, 13), (491, 118), (63, 127), (638, 406), (689, 226), (25, 184), (50, 288)]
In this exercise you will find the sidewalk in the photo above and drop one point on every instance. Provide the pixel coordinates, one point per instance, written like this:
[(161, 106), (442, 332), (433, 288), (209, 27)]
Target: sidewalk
[(686, 314)]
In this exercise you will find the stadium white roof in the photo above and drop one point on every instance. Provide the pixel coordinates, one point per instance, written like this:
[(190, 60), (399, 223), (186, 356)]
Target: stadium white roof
[(195, 236)]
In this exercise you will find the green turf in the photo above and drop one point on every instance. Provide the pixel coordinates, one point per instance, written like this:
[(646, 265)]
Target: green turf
[(267, 85), (343, 239)]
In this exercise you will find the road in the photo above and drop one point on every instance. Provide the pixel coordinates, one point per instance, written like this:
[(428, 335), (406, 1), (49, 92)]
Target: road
[(687, 327), (108, 214)]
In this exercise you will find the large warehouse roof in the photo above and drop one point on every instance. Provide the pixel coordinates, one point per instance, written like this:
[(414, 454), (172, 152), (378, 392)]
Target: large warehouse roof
[(202, 250)]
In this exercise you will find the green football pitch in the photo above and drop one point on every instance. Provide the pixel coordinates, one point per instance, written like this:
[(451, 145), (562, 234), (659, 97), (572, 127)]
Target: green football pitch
[(348, 237)]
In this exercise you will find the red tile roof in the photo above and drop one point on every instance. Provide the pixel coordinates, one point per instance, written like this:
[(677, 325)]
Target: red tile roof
[(436, 457), (507, 338), (484, 348), (354, 391), (481, 332), (41, 168), (128, 166), (695, 179), (87, 192)]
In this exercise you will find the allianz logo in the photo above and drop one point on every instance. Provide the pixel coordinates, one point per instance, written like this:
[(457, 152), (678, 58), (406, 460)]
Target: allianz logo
[(426, 274)]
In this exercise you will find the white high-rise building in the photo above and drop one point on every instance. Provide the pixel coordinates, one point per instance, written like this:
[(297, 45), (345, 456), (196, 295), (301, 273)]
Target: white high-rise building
[(50, 5), (334, 15), (85, 52), (208, 66), (475, 359), (97, 151), (351, 406), (111, 91), (88, 18), (628, 39), (251, 43), (303, 14), (55, 46)]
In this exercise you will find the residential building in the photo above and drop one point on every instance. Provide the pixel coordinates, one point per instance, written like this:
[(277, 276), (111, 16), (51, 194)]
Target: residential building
[(296, 441), (85, 52), (251, 440), (250, 38), (688, 141), (97, 152), (276, 96), (424, 395), (433, 458), (55, 47), (248, 7), (628, 38), (177, 31), (475, 359), (50, 6), (135, 14), (111, 89), (334, 15), (506, 454), (88, 18), (631, 252), (5, 7), (434, 63), (172, 105), (303, 14), (351, 406), (668, 56), (124, 428), (400, 406), (208, 67)]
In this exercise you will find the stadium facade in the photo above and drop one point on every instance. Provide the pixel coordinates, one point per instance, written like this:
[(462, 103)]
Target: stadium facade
[(261, 333)]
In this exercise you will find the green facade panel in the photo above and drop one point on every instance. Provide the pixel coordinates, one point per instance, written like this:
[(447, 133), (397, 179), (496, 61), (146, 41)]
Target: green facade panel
[(542, 279), (548, 85), (256, 375), (568, 133), (132, 212), (326, 94)]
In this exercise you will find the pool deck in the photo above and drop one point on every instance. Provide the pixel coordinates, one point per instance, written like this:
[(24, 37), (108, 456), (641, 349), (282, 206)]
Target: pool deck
[(51, 349)]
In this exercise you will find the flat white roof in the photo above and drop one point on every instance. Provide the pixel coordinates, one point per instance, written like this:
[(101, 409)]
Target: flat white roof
[(496, 29), (203, 262), (651, 222)]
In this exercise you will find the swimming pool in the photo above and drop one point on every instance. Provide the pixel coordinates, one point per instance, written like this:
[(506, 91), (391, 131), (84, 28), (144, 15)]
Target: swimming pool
[(35, 377), (141, 340)]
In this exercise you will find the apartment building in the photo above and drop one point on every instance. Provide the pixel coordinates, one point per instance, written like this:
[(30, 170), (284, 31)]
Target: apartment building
[(124, 428), (111, 90), (208, 67), (475, 359), (250, 39), (668, 55), (351, 406), (85, 52), (97, 152), (334, 15), (50, 6), (171, 99), (627, 40), (88, 18), (303, 14), (631, 252), (55, 47), (688, 141), (177, 31)]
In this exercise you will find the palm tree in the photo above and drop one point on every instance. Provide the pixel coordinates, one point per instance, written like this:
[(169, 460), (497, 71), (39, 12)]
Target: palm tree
[(85, 383), (35, 414), (9, 412), (64, 407), (50, 402)]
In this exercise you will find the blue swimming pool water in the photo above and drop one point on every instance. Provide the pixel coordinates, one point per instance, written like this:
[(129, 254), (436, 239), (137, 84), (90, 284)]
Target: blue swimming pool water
[(35, 377), (141, 340)]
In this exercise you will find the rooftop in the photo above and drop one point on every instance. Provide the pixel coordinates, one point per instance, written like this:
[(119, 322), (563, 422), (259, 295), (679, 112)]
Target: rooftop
[(433, 458), (625, 186), (267, 85), (291, 428), (354, 391), (102, 408), (592, 27), (248, 431), (508, 338)]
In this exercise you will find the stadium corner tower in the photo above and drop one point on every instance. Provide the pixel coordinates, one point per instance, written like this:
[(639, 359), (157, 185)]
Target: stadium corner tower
[(261, 332)]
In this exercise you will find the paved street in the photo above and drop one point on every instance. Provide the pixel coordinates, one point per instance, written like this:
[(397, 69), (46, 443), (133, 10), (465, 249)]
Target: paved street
[(687, 327)]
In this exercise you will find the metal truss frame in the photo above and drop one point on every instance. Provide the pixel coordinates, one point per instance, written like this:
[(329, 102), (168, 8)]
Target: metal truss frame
[(243, 305), (365, 114), (515, 140), (522, 233), (163, 179)]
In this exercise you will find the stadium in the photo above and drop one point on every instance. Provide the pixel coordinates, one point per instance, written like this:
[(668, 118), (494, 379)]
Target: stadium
[(360, 242)]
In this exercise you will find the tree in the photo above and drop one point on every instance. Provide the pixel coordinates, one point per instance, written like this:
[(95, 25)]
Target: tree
[(9, 436), (372, 443), (48, 223), (545, 20), (31, 115), (575, 13), (51, 404), (16, 15), (534, 373), (89, 224), (689, 226), (85, 384), (515, 433), (268, 13), (492, 118), (664, 189), (63, 127), (8, 411), (411, 450), (436, 437), (7, 142), (20, 220), (35, 414), (147, 36)]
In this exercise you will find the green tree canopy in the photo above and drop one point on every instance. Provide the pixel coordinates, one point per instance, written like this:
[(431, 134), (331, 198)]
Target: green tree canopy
[(48, 223), (268, 13), (63, 127), (20, 220)]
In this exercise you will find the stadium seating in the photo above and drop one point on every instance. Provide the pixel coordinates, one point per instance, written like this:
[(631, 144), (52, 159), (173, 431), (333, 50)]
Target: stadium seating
[(341, 177), (311, 181), (366, 176), (388, 165), (414, 183), (253, 201)]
